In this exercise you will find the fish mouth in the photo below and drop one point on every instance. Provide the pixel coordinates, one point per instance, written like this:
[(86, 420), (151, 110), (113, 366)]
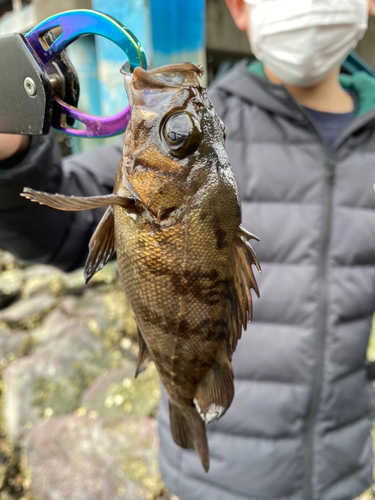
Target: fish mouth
[(165, 77)]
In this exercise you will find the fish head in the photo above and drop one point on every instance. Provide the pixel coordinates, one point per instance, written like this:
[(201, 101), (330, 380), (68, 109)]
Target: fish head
[(174, 138)]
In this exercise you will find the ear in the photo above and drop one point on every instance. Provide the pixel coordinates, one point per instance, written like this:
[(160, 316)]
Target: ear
[(240, 12)]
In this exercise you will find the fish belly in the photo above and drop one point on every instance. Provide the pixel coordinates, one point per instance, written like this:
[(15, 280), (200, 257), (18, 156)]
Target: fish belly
[(176, 280)]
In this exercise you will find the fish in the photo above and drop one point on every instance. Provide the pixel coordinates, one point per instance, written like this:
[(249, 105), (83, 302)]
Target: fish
[(185, 261)]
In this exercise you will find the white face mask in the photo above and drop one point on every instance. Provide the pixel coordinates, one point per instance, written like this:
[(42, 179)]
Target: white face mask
[(301, 41)]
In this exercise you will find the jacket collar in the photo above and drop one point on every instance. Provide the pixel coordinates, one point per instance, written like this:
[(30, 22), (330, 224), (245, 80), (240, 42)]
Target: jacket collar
[(252, 86), (255, 88)]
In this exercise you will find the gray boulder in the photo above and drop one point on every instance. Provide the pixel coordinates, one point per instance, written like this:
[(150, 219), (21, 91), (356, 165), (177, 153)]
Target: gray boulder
[(27, 313), (119, 393), (11, 283), (13, 344), (83, 458), (52, 379)]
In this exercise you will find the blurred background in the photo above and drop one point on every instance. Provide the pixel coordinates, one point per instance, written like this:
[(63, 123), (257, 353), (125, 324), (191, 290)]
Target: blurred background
[(74, 424)]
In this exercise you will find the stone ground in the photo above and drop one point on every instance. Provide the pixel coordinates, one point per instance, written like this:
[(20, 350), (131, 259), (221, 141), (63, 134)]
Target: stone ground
[(74, 423)]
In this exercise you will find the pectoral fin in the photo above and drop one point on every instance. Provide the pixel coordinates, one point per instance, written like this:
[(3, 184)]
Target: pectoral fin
[(102, 245), (76, 203)]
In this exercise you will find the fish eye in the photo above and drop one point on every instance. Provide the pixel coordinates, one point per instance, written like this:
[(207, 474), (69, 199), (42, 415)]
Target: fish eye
[(181, 134)]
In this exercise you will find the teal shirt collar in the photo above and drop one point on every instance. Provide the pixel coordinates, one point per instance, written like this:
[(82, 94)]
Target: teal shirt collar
[(362, 84)]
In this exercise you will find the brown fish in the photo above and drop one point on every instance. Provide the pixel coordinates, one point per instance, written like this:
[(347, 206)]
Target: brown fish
[(184, 260)]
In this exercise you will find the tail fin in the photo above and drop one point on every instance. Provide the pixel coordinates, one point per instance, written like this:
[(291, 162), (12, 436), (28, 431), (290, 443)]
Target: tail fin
[(189, 431)]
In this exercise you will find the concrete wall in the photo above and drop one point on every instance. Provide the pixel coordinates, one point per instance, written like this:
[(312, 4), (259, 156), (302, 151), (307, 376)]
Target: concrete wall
[(221, 32), (366, 47), (47, 8)]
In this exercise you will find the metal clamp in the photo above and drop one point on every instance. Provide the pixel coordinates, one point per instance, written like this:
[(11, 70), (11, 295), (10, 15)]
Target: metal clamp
[(76, 24)]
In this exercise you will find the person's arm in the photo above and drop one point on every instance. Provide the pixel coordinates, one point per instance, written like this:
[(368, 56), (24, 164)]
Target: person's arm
[(39, 233)]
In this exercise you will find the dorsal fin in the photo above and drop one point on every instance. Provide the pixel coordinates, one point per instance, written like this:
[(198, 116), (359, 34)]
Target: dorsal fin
[(102, 245), (240, 307)]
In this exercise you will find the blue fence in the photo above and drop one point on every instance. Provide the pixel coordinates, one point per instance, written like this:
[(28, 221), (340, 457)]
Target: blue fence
[(169, 30)]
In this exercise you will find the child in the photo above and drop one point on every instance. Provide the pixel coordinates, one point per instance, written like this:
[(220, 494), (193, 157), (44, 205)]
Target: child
[(301, 141)]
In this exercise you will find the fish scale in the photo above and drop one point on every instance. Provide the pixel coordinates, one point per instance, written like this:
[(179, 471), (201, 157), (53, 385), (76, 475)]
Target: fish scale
[(184, 260)]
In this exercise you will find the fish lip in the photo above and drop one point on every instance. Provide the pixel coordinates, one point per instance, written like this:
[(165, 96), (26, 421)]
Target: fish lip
[(162, 78)]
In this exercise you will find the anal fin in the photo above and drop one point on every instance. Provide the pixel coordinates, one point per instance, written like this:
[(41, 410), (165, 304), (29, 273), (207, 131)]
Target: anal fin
[(215, 392), (102, 245), (143, 356)]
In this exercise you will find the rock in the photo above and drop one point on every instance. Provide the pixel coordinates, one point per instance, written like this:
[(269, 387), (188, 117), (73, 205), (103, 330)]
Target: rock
[(367, 495), (52, 379), (165, 495), (10, 286), (119, 393), (47, 279), (75, 282), (107, 315), (43, 280), (53, 325), (120, 313), (9, 261), (13, 345), (7, 496), (82, 458), (90, 305), (68, 351), (26, 313)]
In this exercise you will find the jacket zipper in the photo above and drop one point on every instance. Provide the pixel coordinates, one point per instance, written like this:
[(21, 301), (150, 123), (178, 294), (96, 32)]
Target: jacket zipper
[(318, 372), (317, 382)]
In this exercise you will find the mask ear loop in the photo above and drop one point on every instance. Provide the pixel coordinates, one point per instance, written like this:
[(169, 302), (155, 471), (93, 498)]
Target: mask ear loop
[(74, 25)]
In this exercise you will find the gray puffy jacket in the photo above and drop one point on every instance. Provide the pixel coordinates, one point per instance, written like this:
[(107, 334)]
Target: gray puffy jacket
[(299, 425)]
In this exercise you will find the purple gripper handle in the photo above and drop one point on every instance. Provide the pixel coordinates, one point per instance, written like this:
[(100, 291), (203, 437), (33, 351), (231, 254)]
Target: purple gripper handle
[(96, 126), (75, 24)]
